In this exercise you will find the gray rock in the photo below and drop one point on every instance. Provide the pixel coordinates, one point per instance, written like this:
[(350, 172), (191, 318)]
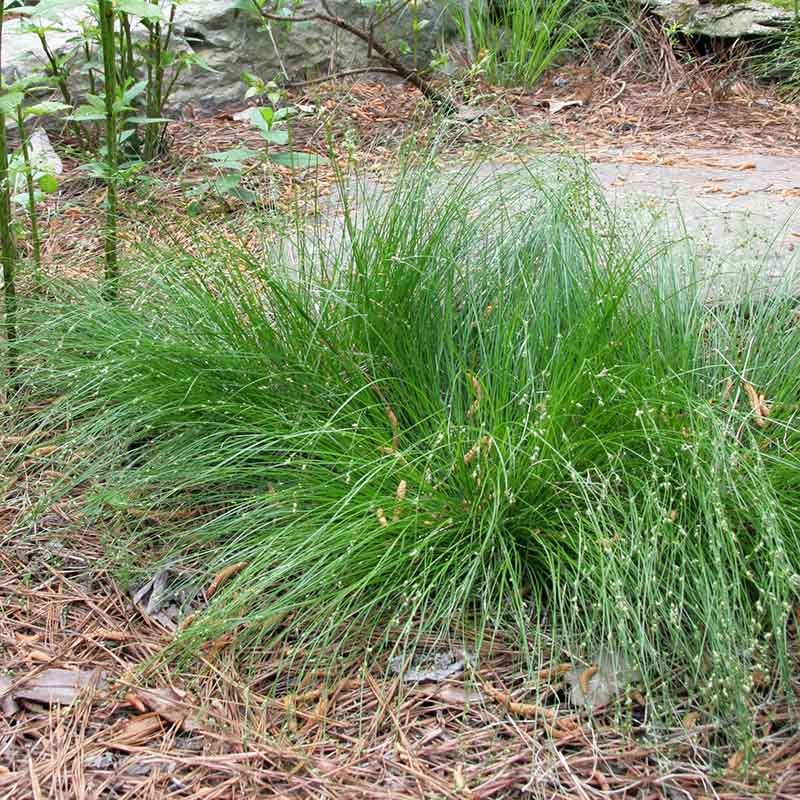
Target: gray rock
[(232, 41), (724, 20)]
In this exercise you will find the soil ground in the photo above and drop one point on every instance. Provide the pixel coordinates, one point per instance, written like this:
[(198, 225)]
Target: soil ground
[(218, 728)]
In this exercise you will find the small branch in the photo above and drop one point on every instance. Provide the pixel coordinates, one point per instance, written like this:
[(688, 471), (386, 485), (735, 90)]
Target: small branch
[(277, 52), (411, 76), (336, 75)]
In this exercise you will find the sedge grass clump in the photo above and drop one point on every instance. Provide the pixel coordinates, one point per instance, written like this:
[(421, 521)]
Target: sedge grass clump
[(474, 408)]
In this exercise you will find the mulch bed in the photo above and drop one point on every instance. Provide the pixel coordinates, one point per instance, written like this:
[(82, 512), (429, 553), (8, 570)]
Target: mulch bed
[(91, 709), (140, 728)]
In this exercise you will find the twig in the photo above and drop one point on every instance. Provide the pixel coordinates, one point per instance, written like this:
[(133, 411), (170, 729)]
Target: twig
[(411, 76), (337, 75)]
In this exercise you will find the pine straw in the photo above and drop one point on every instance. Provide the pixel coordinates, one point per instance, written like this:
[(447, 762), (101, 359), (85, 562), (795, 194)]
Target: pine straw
[(210, 730)]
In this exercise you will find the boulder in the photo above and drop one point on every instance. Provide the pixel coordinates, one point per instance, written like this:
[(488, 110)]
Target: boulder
[(723, 20), (231, 41)]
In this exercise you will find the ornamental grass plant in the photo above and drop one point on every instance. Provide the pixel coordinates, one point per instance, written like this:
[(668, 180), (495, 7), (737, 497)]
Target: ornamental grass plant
[(471, 405)]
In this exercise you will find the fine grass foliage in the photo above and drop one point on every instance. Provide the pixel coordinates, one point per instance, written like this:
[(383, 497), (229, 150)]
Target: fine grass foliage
[(482, 407), (780, 62), (516, 41)]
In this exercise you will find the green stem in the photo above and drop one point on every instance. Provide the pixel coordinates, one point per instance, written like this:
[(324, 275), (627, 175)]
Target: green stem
[(34, 217), (127, 43), (155, 78), (106, 13), (88, 55), (8, 249), (57, 72)]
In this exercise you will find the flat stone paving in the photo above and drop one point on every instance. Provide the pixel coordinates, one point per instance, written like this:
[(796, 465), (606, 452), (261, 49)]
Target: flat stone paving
[(741, 213)]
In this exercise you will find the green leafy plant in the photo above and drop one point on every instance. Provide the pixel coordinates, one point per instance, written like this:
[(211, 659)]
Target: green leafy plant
[(8, 250), (238, 165), (517, 40), (147, 67), (39, 179), (475, 406)]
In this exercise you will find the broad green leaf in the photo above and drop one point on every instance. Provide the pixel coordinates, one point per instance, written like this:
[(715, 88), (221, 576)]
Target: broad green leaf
[(141, 9), (132, 92), (21, 198), (51, 9), (195, 60), (226, 183), (233, 158), (29, 82), (45, 107), (9, 102), (262, 117), (298, 160), (86, 114), (244, 194), (148, 120), (48, 184), (275, 136), (246, 6)]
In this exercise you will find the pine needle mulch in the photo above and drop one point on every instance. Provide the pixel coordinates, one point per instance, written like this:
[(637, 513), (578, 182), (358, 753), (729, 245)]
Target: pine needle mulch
[(88, 710)]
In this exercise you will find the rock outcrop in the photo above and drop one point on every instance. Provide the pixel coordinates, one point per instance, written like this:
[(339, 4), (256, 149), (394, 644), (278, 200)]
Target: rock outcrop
[(723, 20), (231, 41)]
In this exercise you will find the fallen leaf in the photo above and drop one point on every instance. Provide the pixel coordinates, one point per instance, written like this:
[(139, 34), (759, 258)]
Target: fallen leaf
[(8, 705), (152, 597), (470, 114), (554, 105), (170, 705), (224, 575), (59, 686)]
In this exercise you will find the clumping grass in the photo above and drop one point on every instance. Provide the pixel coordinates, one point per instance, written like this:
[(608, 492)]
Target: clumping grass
[(477, 408), (517, 41), (779, 61)]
